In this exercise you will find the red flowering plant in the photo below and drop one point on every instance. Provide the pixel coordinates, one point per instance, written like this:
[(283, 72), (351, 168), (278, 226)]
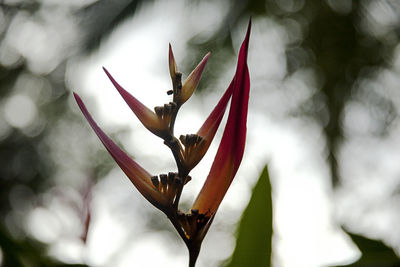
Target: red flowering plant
[(164, 191)]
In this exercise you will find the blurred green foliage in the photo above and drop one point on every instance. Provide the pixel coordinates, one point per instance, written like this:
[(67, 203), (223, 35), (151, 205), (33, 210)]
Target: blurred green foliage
[(374, 253), (27, 252), (254, 233)]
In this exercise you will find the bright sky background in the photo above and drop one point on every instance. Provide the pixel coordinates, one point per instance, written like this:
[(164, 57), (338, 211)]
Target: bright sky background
[(307, 213), (305, 233)]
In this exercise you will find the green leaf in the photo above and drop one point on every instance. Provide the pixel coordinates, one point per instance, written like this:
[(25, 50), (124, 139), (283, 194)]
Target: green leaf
[(374, 253), (253, 243)]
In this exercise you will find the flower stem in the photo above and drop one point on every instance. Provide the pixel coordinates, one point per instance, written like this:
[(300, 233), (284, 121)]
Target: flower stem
[(172, 142), (172, 216), (194, 251)]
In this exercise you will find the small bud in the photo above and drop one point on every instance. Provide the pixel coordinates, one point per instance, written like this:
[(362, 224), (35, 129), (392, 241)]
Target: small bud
[(171, 177), (155, 181), (193, 139), (159, 111), (164, 179), (167, 109)]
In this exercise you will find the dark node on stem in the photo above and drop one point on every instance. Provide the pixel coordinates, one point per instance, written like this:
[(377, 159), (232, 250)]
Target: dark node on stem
[(194, 211), (170, 92), (188, 179), (169, 143), (177, 180), (175, 143)]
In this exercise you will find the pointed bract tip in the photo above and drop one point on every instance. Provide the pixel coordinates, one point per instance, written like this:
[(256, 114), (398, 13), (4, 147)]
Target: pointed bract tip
[(77, 98), (107, 72), (245, 45), (172, 64), (248, 30), (148, 118), (192, 81)]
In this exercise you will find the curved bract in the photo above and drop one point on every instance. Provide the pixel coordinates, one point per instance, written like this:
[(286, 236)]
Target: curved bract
[(231, 148), (149, 119), (139, 177)]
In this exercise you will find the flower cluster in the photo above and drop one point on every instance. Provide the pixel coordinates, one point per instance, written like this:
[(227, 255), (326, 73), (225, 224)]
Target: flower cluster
[(164, 190)]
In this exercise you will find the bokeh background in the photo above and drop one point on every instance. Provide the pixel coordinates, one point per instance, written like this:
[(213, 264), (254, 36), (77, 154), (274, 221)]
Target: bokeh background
[(324, 115)]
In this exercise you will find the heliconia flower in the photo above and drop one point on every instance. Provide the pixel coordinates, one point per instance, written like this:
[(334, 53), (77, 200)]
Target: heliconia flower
[(231, 148), (164, 191), (139, 177), (156, 123), (191, 82)]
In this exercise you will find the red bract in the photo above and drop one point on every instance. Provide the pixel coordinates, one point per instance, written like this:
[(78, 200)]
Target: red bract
[(140, 178), (231, 149), (149, 119)]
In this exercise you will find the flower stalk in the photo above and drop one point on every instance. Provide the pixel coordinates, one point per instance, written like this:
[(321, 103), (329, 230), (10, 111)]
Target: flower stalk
[(164, 190)]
